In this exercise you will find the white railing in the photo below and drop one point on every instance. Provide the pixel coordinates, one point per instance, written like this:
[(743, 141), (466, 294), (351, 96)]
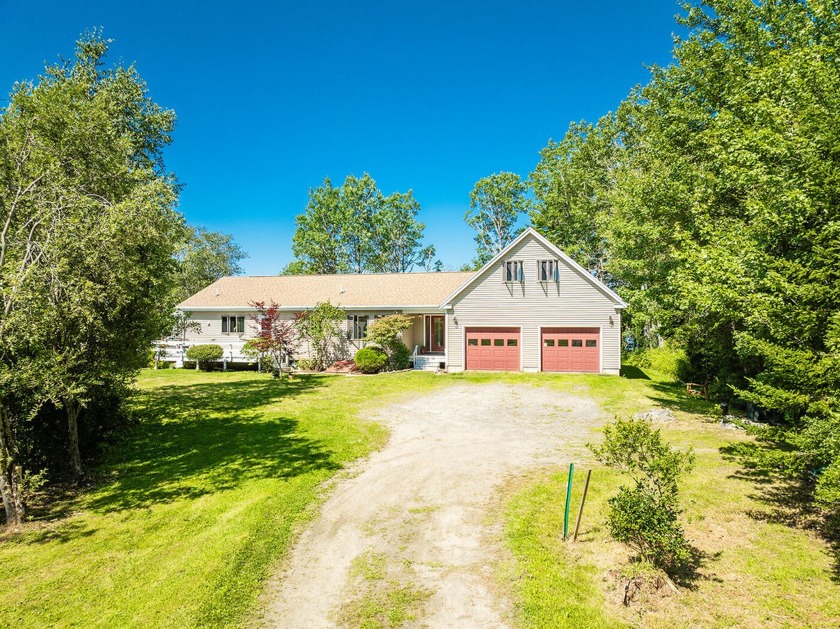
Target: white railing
[(170, 351)]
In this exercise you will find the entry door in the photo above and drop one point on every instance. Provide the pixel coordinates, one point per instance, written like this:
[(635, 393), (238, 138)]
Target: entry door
[(437, 333)]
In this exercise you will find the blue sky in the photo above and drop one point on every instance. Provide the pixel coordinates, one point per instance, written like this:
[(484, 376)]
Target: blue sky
[(272, 97)]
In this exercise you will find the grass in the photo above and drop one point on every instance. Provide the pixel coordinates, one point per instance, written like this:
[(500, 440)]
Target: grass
[(193, 508), (754, 567)]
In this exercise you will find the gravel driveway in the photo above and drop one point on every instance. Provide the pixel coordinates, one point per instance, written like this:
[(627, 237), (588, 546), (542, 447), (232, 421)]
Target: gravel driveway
[(412, 517)]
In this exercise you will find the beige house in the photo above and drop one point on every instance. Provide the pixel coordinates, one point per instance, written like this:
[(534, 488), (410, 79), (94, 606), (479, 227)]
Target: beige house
[(531, 308)]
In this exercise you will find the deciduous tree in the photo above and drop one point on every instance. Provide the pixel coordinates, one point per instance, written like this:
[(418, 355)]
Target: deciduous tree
[(496, 204)]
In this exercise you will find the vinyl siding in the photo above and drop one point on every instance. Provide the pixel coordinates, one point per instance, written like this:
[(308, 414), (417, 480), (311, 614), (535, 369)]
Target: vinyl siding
[(572, 302), (211, 332)]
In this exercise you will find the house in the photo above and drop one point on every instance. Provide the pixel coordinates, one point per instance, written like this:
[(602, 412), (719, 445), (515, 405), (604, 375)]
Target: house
[(531, 308)]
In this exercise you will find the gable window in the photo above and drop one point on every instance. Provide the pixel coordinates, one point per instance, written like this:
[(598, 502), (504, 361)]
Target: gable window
[(233, 324), (548, 271), (513, 271), (356, 326)]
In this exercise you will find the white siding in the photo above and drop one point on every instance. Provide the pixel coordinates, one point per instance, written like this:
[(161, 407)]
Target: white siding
[(572, 302), (211, 332)]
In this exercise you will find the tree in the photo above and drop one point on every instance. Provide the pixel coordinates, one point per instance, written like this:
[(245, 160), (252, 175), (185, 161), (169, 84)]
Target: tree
[(276, 338), (317, 243), (496, 204), (321, 328), (720, 214), (356, 229), (89, 231), (571, 187), (397, 235), (205, 257), (646, 515)]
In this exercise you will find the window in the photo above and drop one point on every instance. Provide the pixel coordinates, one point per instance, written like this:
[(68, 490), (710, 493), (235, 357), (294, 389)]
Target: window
[(512, 342), (356, 326), (548, 271), (577, 343), (485, 342), (499, 342), (513, 271), (233, 324), (562, 342), (590, 342), (549, 342), (473, 342)]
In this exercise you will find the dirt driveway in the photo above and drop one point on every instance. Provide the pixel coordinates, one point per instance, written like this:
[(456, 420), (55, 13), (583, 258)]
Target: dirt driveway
[(408, 531)]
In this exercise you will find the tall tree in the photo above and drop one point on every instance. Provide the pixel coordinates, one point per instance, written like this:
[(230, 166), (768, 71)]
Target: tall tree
[(205, 257), (86, 248), (398, 236), (571, 187), (356, 229), (496, 204), (721, 213)]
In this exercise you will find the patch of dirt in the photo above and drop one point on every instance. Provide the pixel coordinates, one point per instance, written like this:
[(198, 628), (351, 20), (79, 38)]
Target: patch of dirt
[(421, 503)]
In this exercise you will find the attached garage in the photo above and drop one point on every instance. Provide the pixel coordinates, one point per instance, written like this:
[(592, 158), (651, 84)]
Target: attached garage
[(571, 349), (493, 349)]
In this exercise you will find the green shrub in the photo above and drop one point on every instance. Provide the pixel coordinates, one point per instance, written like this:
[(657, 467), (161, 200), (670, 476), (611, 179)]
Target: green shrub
[(400, 357), (203, 355), (668, 359), (370, 359), (307, 364), (386, 333), (646, 517)]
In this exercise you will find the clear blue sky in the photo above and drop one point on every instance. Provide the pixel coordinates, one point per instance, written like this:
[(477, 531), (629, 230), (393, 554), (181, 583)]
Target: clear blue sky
[(272, 97)]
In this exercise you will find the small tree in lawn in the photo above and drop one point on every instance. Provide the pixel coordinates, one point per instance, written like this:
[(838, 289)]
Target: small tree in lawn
[(321, 327), (646, 516), (386, 332), (276, 340)]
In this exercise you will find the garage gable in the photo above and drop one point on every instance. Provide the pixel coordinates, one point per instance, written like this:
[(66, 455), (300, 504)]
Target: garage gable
[(516, 274)]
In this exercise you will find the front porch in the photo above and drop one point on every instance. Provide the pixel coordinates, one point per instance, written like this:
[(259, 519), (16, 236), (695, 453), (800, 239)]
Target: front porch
[(427, 340)]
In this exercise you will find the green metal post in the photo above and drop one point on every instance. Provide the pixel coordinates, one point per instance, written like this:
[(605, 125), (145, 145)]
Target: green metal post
[(568, 501)]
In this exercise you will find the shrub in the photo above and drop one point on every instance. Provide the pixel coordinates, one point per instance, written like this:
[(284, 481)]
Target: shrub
[(646, 517), (370, 359), (203, 355), (400, 357), (386, 332), (307, 364), (668, 359)]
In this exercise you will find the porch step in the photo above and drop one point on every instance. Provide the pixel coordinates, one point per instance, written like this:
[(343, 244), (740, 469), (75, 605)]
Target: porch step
[(428, 363)]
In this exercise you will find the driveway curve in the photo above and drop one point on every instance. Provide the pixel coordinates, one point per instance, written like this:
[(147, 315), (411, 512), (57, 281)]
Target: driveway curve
[(412, 519)]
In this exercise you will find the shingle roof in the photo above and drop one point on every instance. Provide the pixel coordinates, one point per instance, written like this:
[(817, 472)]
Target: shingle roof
[(348, 290)]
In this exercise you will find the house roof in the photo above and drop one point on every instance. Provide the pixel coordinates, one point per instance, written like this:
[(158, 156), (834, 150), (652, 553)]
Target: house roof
[(296, 292), (530, 232)]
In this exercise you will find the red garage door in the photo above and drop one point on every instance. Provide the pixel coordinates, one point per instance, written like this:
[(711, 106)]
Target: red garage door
[(493, 349), (571, 349)]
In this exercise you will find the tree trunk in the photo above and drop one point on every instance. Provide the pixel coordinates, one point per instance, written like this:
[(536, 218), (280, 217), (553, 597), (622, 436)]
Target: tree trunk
[(10, 486), (73, 409)]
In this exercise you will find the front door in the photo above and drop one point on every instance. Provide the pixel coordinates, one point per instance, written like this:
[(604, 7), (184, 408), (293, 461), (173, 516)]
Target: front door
[(437, 333)]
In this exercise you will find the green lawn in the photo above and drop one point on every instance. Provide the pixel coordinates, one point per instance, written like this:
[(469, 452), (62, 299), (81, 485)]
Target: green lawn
[(193, 508), (760, 566)]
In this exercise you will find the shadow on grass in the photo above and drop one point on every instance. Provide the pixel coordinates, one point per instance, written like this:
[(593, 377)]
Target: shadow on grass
[(673, 397), (196, 439), (788, 500), (633, 373), (689, 574)]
